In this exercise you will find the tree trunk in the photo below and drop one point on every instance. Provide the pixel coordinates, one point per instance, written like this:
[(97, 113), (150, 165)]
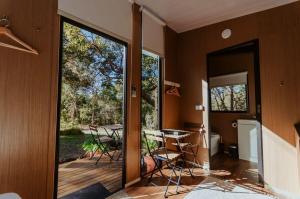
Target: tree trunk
[(231, 98)]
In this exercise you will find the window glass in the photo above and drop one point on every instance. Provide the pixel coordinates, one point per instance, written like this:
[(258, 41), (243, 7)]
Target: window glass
[(229, 98), (150, 106), (150, 91)]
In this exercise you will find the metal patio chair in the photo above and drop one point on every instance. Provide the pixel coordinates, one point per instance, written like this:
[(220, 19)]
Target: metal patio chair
[(118, 141), (161, 155), (103, 142), (188, 148)]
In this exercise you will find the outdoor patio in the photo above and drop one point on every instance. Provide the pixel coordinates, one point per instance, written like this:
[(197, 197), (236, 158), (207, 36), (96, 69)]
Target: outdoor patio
[(84, 173)]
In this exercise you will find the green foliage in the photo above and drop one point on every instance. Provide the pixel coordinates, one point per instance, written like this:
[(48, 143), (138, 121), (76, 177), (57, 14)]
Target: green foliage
[(92, 79), (152, 146), (92, 82), (150, 90), (72, 131), (89, 146)]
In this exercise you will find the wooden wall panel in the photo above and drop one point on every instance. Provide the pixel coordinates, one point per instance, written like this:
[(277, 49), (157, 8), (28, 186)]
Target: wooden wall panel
[(278, 33), (134, 103), (192, 78), (27, 86), (170, 103)]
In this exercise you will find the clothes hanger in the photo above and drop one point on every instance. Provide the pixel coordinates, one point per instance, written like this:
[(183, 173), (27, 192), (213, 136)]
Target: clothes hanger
[(173, 91), (4, 30)]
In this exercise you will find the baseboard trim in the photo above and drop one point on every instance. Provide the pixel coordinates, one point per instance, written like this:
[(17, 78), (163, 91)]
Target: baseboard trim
[(132, 182)]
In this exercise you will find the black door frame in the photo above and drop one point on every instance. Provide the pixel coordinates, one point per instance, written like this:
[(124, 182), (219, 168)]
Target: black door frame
[(125, 130), (249, 46)]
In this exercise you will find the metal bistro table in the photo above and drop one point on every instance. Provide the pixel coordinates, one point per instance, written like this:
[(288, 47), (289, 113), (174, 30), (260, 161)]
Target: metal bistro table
[(115, 128), (177, 135)]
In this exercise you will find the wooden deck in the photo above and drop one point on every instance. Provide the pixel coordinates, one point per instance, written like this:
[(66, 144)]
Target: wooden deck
[(76, 175)]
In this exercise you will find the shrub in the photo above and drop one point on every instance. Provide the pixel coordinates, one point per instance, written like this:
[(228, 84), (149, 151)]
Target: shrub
[(89, 146), (72, 131)]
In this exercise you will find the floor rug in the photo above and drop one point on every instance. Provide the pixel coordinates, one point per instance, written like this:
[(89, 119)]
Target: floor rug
[(213, 188), (95, 191)]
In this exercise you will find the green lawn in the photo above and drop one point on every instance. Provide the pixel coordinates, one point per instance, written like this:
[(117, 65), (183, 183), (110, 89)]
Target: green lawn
[(70, 147)]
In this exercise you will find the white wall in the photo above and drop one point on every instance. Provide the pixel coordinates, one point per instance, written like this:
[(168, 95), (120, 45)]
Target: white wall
[(109, 16), (281, 165)]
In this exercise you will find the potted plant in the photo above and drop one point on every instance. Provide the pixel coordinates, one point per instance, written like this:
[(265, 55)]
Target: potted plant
[(147, 162)]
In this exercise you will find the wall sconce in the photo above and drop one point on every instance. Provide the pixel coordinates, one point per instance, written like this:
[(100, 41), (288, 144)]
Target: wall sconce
[(199, 107)]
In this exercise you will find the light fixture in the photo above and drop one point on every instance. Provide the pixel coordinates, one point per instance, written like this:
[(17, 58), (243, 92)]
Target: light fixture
[(199, 107), (226, 33)]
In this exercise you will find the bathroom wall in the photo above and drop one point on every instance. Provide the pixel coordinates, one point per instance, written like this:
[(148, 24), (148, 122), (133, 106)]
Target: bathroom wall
[(225, 64)]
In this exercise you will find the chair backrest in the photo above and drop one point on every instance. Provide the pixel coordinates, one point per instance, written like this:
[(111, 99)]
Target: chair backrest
[(156, 137), (93, 128), (94, 132)]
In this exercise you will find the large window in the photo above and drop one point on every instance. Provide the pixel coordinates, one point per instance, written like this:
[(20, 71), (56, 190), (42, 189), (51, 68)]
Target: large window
[(150, 91), (150, 104), (229, 93)]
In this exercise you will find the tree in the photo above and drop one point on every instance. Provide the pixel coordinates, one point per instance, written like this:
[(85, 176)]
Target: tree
[(229, 98), (93, 77), (150, 91)]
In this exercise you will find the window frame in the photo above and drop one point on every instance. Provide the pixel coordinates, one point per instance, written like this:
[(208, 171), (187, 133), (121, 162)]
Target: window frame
[(62, 20), (160, 87), (160, 100)]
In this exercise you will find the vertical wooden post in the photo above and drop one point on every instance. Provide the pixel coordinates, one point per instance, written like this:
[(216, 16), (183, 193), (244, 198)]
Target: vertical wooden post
[(134, 99)]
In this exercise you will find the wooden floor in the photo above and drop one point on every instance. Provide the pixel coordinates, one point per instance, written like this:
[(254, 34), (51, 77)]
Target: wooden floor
[(155, 189), (240, 170), (76, 175), (241, 173)]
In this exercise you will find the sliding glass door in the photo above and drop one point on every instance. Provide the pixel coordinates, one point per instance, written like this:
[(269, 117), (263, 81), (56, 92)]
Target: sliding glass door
[(91, 110)]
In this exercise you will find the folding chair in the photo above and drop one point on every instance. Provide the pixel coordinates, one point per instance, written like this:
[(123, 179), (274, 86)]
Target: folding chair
[(103, 143), (116, 137), (161, 154), (190, 149)]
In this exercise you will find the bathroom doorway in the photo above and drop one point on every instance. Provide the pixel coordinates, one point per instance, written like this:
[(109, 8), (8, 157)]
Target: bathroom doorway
[(235, 138)]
